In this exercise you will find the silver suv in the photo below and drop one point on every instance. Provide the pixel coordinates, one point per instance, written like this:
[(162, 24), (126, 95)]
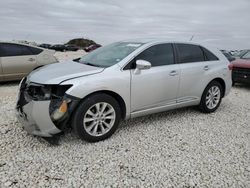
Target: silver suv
[(119, 81)]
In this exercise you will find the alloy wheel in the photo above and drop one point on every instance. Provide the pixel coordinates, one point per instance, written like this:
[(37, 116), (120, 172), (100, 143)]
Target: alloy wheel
[(213, 97), (99, 119)]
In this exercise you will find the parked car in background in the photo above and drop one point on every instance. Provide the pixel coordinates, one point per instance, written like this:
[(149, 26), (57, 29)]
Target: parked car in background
[(47, 46), (71, 47), (58, 47), (232, 52), (120, 81), (228, 55), (241, 69), (17, 60), (240, 54), (246, 56), (92, 47)]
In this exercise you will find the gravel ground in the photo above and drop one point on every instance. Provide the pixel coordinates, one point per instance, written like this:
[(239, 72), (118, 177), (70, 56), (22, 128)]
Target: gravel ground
[(181, 148)]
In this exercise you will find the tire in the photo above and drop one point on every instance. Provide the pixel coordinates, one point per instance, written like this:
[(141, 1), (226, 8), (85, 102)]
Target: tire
[(208, 107), (91, 126)]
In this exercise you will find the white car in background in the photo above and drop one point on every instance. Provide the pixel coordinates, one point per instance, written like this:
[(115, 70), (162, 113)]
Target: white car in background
[(18, 60)]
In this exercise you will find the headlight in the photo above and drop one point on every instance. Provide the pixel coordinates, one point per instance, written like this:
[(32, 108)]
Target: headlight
[(46, 92)]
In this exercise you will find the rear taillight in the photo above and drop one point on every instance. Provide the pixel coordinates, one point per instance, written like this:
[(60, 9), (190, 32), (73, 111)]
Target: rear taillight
[(230, 66)]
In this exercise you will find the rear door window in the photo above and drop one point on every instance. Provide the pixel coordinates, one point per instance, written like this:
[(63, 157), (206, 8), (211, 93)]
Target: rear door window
[(189, 53), (9, 49)]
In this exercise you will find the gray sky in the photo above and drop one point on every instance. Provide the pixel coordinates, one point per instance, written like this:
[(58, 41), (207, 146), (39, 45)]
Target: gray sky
[(224, 23)]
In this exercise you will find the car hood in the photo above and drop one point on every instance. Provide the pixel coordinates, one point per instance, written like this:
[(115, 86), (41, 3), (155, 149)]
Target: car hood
[(241, 63), (59, 72)]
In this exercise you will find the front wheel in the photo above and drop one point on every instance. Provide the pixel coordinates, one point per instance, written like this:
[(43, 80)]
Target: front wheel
[(97, 117), (211, 97)]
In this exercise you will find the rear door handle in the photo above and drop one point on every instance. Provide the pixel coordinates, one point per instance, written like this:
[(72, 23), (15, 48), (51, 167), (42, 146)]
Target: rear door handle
[(173, 73), (206, 68)]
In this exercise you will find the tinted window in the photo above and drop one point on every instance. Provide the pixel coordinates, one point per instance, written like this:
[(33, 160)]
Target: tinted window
[(161, 54), (241, 53), (8, 49), (246, 56), (189, 53), (35, 51), (209, 56)]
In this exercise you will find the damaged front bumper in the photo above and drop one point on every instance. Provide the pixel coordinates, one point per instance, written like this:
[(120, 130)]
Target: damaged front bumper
[(35, 115), (36, 120)]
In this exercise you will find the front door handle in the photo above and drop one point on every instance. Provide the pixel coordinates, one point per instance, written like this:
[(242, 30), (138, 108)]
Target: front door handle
[(206, 68), (31, 59), (173, 73)]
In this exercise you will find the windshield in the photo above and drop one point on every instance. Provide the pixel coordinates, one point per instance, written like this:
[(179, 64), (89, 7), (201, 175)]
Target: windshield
[(241, 53), (109, 55), (246, 56)]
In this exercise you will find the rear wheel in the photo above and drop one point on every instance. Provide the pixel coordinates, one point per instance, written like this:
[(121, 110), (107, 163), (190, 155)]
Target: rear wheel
[(97, 117), (211, 97)]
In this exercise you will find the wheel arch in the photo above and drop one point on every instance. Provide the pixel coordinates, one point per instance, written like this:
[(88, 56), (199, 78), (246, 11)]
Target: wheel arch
[(116, 96), (38, 67), (222, 83)]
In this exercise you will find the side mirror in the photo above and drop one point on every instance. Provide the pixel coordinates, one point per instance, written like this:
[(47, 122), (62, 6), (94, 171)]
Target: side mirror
[(142, 65)]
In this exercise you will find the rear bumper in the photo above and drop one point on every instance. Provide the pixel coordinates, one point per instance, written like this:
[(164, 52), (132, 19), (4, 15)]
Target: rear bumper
[(228, 87)]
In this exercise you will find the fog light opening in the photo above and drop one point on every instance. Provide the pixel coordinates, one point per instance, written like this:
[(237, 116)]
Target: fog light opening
[(59, 112)]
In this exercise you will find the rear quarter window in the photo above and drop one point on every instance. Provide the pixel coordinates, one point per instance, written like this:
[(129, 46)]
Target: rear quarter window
[(209, 56), (35, 51)]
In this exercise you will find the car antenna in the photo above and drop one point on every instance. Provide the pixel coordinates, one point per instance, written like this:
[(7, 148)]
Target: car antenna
[(191, 38)]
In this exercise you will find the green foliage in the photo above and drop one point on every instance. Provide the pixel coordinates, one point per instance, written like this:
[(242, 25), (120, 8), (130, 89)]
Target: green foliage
[(81, 42)]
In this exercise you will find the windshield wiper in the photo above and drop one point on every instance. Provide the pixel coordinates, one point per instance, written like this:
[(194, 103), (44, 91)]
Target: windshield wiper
[(86, 63)]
